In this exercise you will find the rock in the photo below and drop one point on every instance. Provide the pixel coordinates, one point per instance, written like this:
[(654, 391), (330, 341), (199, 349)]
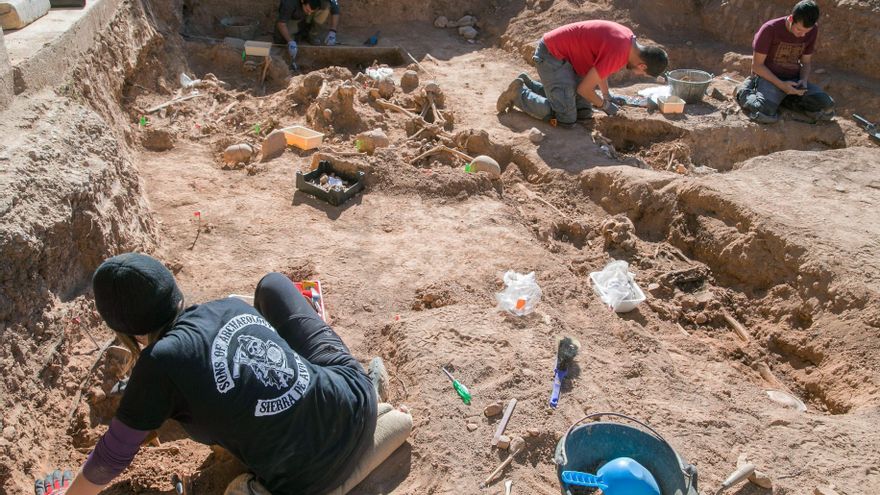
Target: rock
[(493, 409), (468, 32), (471, 426), (486, 164), (718, 95), (503, 442), (653, 287), (238, 153), (701, 318), (824, 490), (409, 81), (369, 141), (534, 432), (157, 140), (441, 22), (535, 136), (465, 21), (517, 444), (274, 145), (9, 433)]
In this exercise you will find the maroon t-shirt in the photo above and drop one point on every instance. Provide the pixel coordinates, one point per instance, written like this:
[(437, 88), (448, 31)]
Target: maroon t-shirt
[(784, 49), (604, 45)]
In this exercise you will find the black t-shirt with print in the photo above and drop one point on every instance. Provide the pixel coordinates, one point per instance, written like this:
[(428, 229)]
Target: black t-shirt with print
[(227, 376)]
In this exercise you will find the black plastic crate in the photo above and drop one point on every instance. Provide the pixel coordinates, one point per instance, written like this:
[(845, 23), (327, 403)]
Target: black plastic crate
[(334, 197)]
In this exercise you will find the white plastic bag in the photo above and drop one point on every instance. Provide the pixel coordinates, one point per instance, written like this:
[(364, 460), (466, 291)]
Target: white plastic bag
[(520, 295), (614, 283), (379, 73), (186, 82)]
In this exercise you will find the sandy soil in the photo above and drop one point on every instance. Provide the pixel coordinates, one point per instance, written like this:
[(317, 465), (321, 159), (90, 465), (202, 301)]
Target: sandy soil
[(772, 227)]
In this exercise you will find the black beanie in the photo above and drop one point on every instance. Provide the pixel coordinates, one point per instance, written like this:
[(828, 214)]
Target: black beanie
[(135, 294)]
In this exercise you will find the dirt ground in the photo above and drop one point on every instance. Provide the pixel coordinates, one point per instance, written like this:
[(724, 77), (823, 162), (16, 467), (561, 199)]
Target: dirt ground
[(721, 220)]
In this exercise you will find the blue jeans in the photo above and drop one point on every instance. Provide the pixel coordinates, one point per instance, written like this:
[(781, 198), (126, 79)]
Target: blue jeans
[(556, 95), (760, 95)]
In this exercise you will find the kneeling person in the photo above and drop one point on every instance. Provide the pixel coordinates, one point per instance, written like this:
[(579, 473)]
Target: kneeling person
[(781, 63)]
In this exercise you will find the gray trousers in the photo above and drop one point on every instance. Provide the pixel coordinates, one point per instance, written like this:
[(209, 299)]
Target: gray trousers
[(556, 95), (757, 94)]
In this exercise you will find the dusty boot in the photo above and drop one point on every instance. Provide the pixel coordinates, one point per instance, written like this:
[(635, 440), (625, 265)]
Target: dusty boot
[(763, 118), (506, 99), (379, 376), (534, 86)]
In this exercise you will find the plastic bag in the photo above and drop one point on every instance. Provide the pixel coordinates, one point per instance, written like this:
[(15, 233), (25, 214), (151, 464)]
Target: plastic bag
[(186, 82), (520, 295), (614, 283), (379, 73)]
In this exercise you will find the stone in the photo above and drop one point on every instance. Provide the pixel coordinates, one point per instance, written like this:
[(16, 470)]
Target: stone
[(534, 432), (465, 21), (409, 81), (468, 32), (274, 145), (486, 164), (471, 426), (238, 153), (701, 318), (157, 140), (441, 22), (9, 433), (503, 442), (493, 409), (369, 141), (535, 136)]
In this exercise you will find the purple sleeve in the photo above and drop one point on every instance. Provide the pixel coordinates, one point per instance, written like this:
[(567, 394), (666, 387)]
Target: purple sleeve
[(763, 39), (114, 452)]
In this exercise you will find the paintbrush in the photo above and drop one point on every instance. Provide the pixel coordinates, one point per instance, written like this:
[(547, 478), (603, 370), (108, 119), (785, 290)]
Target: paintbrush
[(565, 354)]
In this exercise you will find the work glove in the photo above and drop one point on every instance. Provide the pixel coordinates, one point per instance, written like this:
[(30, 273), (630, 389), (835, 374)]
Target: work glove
[(292, 49), (330, 40), (610, 108), (54, 484)]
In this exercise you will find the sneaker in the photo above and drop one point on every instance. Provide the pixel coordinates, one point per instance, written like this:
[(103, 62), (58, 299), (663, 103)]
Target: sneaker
[(822, 115), (379, 376), (763, 118), (506, 99), (584, 114)]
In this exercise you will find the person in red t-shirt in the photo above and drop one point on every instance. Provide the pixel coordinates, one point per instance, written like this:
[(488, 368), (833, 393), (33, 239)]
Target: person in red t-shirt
[(781, 62), (572, 61)]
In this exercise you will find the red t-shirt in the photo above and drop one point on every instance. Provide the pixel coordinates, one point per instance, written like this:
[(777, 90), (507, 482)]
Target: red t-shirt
[(604, 45), (784, 49)]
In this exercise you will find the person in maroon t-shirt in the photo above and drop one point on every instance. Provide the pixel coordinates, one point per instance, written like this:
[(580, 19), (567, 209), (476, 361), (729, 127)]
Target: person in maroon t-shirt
[(781, 63), (572, 61)]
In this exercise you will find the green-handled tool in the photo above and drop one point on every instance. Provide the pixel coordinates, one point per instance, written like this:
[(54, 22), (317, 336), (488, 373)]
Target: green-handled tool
[(459, 388)]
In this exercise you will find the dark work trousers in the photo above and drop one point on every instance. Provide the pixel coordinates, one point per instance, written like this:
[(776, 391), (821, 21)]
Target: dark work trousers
[(285, 308)]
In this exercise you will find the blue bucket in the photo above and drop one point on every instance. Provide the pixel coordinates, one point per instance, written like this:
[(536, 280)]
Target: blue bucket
[(587, 447)]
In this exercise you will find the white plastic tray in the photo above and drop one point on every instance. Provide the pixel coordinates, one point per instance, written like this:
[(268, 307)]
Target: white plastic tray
[(625, 305)]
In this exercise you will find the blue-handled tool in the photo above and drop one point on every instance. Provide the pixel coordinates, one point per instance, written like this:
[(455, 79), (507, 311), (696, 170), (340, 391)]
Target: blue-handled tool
[(373, 39), (620, 476), (565, 354)]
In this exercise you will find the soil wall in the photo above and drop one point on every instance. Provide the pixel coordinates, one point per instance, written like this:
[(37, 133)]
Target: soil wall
[(6, 78), (203, 17)]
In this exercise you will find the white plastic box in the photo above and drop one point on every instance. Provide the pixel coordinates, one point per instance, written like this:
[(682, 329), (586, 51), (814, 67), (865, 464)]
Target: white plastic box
[(257, 48), (627, 304), (670, 104)]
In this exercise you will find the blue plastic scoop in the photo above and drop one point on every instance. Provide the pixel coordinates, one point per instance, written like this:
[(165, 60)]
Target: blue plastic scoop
[(621, 476)]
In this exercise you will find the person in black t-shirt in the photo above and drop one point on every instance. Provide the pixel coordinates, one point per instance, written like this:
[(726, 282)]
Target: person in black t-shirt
[(273, 384), (300, 20)]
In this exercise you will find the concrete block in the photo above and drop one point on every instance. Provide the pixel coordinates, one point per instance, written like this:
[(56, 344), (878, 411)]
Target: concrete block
[(16, 14)]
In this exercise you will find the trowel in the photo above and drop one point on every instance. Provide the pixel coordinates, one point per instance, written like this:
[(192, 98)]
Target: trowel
[(870, 127), (565, 354)]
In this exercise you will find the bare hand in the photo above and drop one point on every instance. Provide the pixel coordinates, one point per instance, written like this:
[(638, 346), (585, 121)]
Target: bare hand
[(792, 88)]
